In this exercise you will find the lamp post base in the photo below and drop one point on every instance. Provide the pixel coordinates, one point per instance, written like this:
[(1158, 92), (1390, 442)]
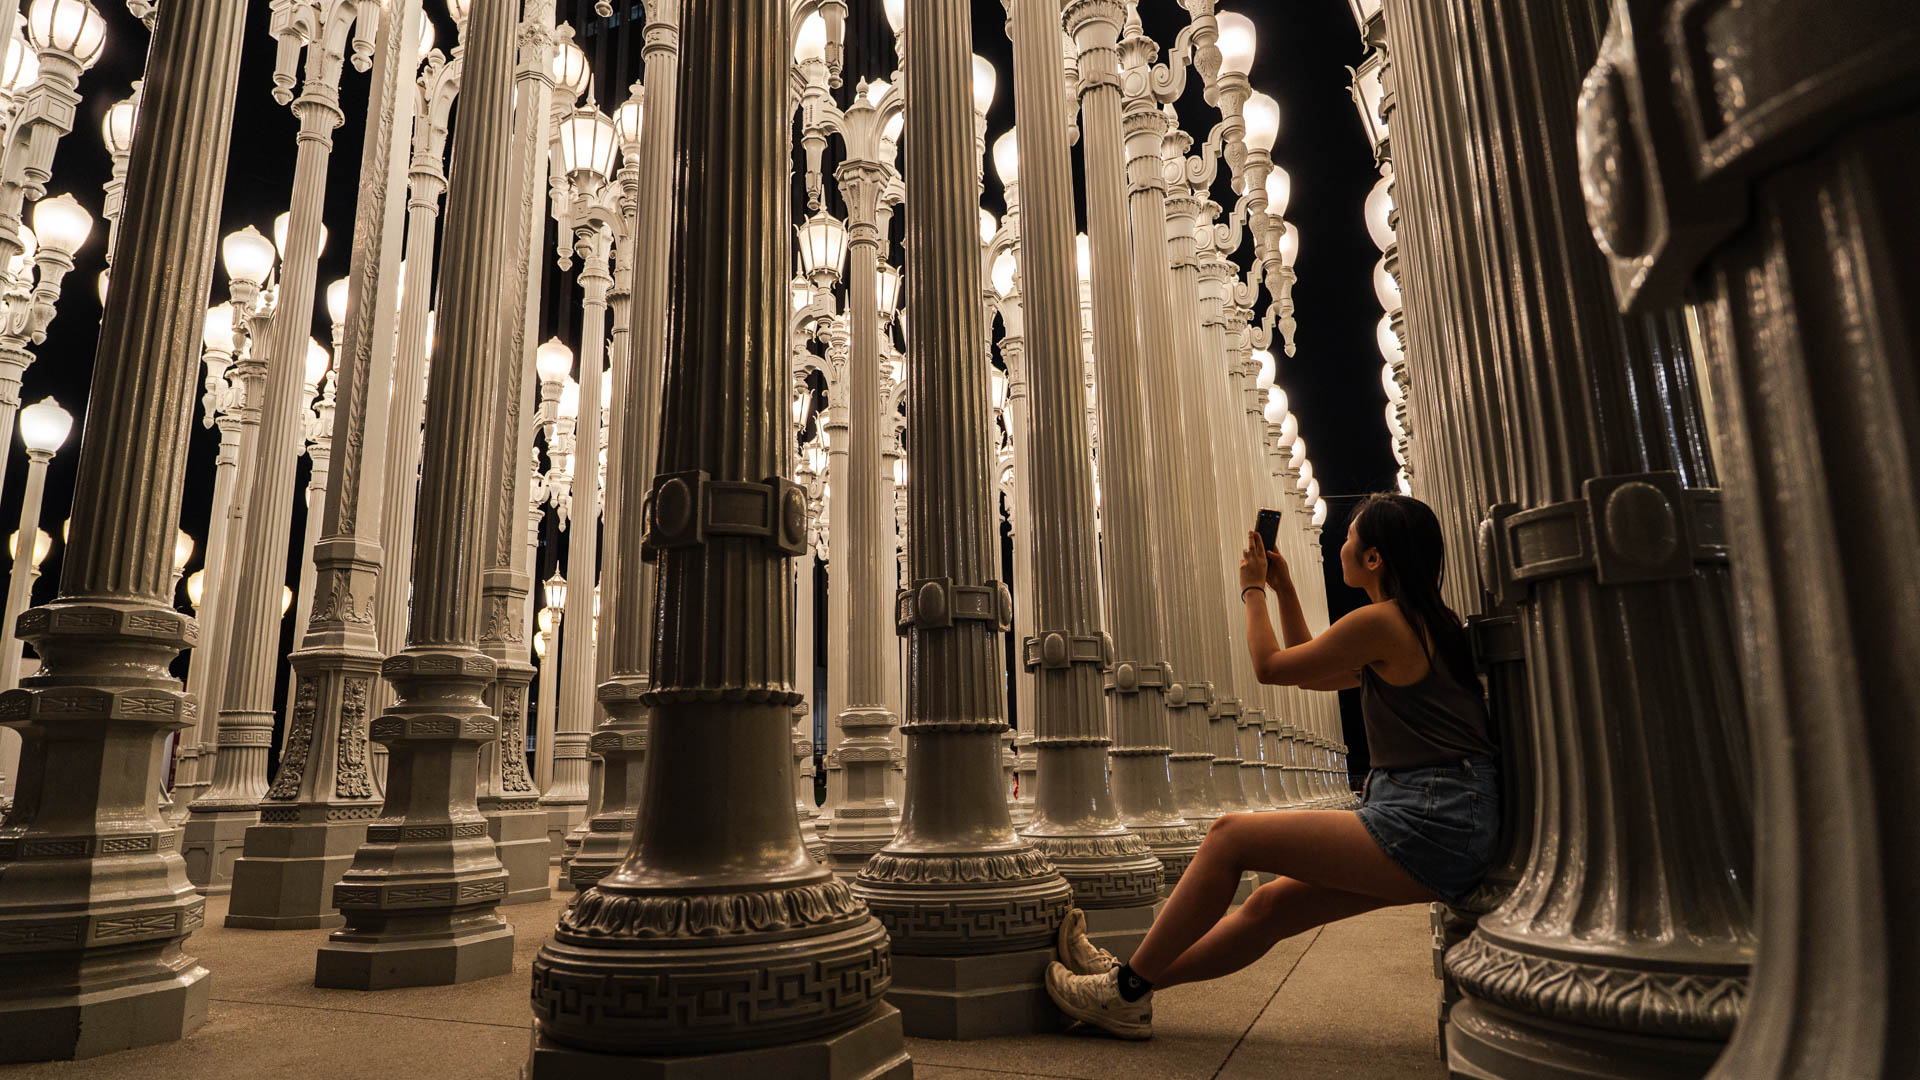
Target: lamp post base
[(213, 842), (285, 880), (1485, 1042), (518, 829), (869, 1050), (74, 1026), (355, 961)]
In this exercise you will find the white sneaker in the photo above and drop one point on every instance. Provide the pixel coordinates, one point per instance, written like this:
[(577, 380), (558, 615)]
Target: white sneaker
[(1077, 951), (1096, 1000)]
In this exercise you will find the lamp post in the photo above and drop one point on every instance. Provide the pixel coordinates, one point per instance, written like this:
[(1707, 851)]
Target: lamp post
[(1114, 875), (506, 796), (1132, 529), (866, 818), (235, 378), (425, 136), (952, 611), (717, 826), (645, 127), (316, 418), (315, 813), (620, 743), (32, 279), (555, 591), (219, 818), (449, 887), (19, 70), (1003, 278), (116, 132), (9, 740), (822, 246), (68, 37), (588, 143), (112, 631), (44, 428)]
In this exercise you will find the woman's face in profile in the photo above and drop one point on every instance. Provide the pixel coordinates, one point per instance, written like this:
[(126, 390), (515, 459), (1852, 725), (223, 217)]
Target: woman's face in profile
[(1350, 569)]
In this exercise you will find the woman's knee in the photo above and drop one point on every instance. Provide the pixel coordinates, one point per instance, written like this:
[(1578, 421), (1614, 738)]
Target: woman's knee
[(1224, 827), (1266, 901)]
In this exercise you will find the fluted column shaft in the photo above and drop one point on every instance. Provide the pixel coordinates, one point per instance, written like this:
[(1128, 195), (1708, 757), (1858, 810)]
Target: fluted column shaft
[(246, 709), (1210, 584), (506, 794), (1637, 877), (88, 774), (426, 183), (867, 817), (315, 813), (1019, 434), (20, 577), (716, 825), (215, 569), (441, 718), (638, 355), (1795, 239), (1075, 823), (249, 376), (954, 608), (1187, 697), (839, 607), (1214, 380), (805, 596), (1136, 618), (578, 706)]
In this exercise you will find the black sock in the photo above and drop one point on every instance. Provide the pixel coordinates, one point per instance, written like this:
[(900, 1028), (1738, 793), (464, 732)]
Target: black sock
[(1132, 986)]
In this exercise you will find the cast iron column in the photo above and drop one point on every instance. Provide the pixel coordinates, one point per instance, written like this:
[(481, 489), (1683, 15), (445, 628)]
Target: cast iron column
[(506, 795), (1074, 822), (1188, 695), (866, 818), (957, 880), (315, 815), (622, 741), (420, 898), (718, 882), (1623, 949), (1130, 540), (94, 896), (216, 827), (1800, 205)]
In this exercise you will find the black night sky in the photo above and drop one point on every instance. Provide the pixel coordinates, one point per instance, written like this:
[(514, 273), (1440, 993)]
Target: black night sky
[(1302, 60)]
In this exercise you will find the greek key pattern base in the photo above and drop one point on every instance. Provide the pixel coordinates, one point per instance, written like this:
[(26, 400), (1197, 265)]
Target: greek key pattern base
[(407, 834), (601, 914), (290, 815), (934, 921), (1664, 1003), (119, 928), (682, 1001), (1105, 871), (86, 847), (431, 894)]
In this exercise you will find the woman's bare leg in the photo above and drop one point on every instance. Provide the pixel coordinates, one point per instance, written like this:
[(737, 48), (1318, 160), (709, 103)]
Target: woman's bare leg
[(1275, 912), (1325, 848)]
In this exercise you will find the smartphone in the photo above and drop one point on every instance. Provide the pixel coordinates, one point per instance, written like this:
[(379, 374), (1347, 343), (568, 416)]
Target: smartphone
[(1268, 526)]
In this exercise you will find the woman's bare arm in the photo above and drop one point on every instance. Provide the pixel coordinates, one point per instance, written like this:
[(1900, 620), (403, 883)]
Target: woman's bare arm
[(1330, 662)]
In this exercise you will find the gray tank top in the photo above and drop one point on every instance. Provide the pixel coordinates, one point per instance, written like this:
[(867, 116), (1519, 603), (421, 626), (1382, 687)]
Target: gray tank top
[(1436, 721)]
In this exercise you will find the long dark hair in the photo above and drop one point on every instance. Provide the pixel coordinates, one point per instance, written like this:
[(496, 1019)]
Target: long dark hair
[(1406, 533)]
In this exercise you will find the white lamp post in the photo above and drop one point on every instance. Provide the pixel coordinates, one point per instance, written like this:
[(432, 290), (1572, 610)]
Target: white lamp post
[(44, 428), (551, 620), (589, 142)]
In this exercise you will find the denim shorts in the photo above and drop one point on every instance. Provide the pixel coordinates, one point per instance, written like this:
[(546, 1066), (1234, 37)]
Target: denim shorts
[(1439, 823)]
